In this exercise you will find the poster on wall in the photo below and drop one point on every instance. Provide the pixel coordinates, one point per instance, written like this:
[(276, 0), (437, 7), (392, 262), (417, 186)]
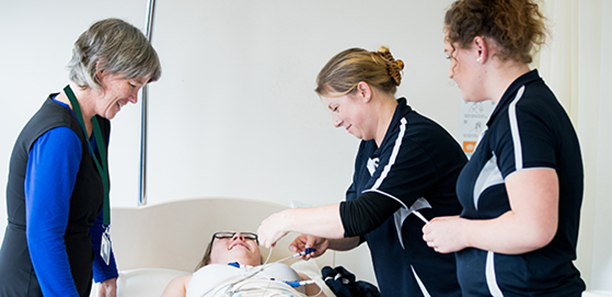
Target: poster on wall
[(474, 116)]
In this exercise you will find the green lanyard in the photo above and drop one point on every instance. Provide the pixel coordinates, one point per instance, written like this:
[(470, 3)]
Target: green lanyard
[(102, 169)]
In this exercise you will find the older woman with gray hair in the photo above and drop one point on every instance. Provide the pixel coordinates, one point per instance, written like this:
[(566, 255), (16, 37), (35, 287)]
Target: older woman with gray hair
[(57, 238)]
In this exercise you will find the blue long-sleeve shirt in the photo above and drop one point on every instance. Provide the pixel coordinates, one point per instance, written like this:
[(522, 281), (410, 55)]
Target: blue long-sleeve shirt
[(51, 174)]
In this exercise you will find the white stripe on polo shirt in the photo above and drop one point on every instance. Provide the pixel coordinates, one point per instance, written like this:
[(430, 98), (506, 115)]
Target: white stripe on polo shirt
[(514, 129)]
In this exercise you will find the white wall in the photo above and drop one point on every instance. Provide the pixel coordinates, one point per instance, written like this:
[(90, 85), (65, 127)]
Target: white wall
[(234, 113)]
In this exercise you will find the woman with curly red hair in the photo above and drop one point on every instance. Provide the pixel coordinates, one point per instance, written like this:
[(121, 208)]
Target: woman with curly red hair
[(522, 189)]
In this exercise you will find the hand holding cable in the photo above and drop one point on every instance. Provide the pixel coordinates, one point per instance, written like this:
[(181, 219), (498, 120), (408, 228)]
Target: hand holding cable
[(445, 234), (303, 242), (298, 255), (272, 229)]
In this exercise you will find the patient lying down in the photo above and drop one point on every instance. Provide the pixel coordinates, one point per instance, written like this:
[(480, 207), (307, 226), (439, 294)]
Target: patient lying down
[(232, 266)]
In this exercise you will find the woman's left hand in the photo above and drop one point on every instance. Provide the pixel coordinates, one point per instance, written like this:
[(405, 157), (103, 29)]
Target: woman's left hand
[(108, 288), (271, 229), (445, 234)]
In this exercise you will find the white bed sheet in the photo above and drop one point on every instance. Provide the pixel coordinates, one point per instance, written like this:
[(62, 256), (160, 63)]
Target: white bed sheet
[(148, 282)]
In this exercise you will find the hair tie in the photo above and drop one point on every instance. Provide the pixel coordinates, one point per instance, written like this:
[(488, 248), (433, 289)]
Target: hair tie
[(400, 64), (393, 66)]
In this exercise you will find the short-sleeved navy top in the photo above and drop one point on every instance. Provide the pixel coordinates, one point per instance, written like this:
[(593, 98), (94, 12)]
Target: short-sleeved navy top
[(417, 159), (527, 129)]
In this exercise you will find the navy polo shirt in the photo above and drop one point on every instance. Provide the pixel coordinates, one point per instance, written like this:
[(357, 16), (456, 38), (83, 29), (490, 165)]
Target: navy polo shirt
[(417, 159), (527, 129)]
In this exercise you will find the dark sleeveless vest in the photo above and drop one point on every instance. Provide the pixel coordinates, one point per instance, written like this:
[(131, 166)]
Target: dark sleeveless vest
[(17, 276)]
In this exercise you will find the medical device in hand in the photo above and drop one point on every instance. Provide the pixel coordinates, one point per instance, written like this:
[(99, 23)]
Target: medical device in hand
[(295, 284), (305, 252)]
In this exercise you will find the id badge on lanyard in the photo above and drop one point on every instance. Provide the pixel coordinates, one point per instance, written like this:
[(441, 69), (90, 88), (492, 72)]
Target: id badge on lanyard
[(105, 247)]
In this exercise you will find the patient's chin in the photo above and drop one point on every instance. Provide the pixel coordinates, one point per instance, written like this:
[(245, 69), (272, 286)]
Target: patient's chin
[(244, 257), (240, 245)]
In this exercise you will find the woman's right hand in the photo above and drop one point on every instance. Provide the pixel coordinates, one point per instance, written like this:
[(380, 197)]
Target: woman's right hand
[(303, 241)]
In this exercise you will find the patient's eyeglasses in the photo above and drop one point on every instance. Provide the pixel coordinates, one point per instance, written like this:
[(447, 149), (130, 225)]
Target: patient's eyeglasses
[(228, 234)]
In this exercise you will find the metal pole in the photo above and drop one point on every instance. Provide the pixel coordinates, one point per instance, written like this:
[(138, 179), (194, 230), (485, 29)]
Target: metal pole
[(144, 116)]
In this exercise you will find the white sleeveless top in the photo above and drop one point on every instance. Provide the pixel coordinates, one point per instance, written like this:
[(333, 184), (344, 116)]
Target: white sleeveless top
[(217, 279)]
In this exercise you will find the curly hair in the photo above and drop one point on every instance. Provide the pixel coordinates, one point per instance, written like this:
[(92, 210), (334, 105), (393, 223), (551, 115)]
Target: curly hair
[(517, 26), (345, 70)]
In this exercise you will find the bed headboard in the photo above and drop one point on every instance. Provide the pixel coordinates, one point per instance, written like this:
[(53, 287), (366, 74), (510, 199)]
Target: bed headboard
[(174, 235)]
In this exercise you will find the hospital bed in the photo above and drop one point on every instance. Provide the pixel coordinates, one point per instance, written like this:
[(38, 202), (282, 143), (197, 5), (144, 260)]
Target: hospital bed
[(155, 243)]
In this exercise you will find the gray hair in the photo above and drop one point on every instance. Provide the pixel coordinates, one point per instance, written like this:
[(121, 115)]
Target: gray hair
[(115, 46)]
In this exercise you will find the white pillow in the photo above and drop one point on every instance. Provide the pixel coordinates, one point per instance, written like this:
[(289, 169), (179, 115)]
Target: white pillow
[(145, 282)]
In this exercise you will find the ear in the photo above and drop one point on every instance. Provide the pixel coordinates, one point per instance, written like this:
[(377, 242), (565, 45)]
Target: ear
[(100, 73), (481, 48), (364, 91)]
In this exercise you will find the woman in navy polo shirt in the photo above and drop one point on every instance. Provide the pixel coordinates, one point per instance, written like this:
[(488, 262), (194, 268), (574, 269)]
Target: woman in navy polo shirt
[(522, 188), (405, 160)]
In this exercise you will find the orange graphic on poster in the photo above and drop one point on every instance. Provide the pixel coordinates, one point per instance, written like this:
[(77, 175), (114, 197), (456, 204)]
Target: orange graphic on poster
[(468, 146)]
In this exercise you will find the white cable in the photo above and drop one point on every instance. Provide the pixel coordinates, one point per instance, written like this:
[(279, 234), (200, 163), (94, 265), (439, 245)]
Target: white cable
[(234, 289)]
